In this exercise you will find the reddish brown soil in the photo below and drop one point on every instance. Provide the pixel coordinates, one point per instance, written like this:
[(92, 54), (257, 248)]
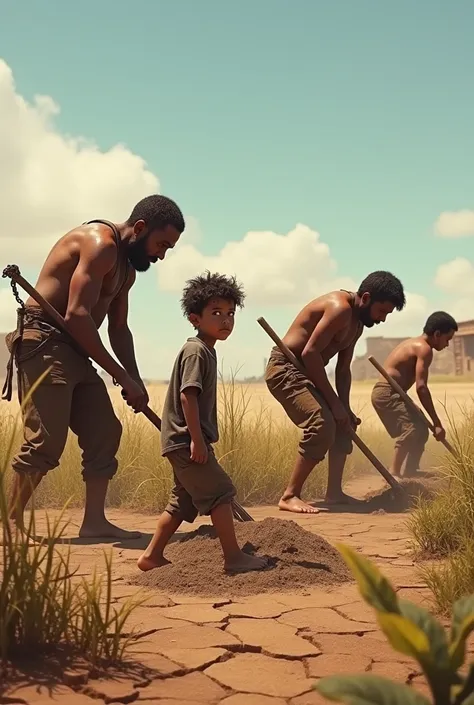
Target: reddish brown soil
[(298, 559)]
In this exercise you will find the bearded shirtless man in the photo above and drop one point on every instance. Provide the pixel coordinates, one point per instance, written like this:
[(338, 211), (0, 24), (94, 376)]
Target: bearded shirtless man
[(86, 276), (328, 326), (409, 364)]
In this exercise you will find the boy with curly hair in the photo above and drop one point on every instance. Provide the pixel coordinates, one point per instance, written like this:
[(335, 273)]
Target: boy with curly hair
[(189, 426)]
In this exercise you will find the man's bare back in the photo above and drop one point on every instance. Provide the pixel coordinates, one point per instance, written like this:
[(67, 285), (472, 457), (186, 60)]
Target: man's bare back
[(401, 363), (304, 325), (54, 281)]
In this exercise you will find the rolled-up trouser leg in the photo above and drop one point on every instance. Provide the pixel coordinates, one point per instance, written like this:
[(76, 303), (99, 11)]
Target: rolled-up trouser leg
[(96, 425), (46, 412), (308, 412)]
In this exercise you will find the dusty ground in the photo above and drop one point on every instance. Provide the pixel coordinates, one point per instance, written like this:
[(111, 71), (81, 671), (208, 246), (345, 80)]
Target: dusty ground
[(198, 650)]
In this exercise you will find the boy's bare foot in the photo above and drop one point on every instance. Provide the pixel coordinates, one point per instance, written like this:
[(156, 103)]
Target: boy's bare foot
[(244, 563), (296, 505), (105, 530), (341, 498), (146, 564)]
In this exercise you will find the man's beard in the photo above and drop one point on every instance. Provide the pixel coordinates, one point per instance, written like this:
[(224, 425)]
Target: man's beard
[(138, 257), (365, 317)]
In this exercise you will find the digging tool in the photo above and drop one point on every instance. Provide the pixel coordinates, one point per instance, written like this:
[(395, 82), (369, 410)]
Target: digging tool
[(409, 402), (387, 476), (13, 273)]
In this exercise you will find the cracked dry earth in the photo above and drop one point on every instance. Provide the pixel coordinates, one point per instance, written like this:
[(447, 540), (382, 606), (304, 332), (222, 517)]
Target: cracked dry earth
[(266, 649)]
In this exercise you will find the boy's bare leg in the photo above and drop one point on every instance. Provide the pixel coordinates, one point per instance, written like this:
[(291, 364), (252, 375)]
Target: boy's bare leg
[(291, 499), (24, 484), (153, 556), (412, 464), (334, 493), (398, 460), (94, 524), (235, 560)]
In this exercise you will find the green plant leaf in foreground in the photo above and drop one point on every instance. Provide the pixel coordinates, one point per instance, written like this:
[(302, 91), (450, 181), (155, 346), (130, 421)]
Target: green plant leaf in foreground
[(433, 630), (406, 637), (368, 690), (462, 625), (373, 586)]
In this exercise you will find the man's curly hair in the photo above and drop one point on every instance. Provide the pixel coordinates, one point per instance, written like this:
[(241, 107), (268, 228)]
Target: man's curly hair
[(200, 290)]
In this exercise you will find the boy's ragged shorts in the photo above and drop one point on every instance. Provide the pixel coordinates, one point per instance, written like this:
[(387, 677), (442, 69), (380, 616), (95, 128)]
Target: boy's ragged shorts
[(400, 421), (199, 488)]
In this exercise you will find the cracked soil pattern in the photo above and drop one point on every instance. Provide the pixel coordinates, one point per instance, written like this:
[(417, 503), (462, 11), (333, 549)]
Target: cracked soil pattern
[(262, 649)]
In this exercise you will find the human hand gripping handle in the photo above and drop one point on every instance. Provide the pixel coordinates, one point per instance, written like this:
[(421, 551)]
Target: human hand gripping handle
[(358, 441), (134, 393)]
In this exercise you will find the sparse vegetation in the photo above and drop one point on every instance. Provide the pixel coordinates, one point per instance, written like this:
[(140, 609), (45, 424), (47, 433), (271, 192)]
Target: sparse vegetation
[(443, 528), (414, 632), (42, 604)]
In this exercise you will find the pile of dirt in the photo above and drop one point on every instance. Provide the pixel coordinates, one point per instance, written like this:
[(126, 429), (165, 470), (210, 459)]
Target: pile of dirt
[(298, 559), (389, 500)]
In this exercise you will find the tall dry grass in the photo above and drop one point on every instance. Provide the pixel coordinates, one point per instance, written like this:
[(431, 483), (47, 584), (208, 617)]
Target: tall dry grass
[(443, 528), (42, 606), (257, 447)]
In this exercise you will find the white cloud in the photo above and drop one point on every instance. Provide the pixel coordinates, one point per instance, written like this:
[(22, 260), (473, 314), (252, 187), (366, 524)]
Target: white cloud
[(456, 277), (277, 270), (455, 224), (50, 183)]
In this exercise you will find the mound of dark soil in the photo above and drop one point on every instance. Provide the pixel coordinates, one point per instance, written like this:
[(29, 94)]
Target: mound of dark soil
[(402, 500), (298, 559)]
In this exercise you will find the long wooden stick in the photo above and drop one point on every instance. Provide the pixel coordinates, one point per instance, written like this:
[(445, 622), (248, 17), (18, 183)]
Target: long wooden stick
[(388, 477), (409, 402), (14, 274)]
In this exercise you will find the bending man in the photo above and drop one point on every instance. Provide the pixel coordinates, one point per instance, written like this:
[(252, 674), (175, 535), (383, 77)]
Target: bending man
[(86, 276), (329, 325)]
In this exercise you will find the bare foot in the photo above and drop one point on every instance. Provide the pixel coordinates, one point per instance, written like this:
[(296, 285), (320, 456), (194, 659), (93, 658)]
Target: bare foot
[(106, 530), (146, 564), (295, 504), (341, 498), (244, 563)]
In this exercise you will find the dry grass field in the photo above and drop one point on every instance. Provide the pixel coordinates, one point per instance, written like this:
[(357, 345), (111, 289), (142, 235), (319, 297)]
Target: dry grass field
[(257, 447)]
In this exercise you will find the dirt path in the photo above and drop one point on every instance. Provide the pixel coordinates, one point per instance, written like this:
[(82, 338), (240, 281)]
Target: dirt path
[(199, 650)]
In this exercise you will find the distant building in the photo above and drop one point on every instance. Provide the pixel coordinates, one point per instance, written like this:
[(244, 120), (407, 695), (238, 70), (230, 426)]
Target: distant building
[(463, 349), (456, 360)]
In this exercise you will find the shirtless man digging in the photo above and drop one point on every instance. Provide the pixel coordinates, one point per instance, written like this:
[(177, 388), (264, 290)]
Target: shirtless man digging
[(328, 326), (409, 364), (86, 276)]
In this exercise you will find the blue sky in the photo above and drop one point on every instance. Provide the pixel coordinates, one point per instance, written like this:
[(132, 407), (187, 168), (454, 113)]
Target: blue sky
[(352, 118)]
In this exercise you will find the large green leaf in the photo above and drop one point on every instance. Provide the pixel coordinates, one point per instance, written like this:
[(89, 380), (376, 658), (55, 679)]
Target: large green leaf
[(406, 637), (432, 628), (368, 690), (373, 586), (462, 624)]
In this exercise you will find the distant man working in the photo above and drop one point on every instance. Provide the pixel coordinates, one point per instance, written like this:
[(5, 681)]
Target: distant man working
[(409, 364), (328, 326), (86, 276)]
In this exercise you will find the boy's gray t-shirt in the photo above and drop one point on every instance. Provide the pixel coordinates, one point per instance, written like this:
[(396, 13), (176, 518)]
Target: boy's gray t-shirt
[(195, 366)]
